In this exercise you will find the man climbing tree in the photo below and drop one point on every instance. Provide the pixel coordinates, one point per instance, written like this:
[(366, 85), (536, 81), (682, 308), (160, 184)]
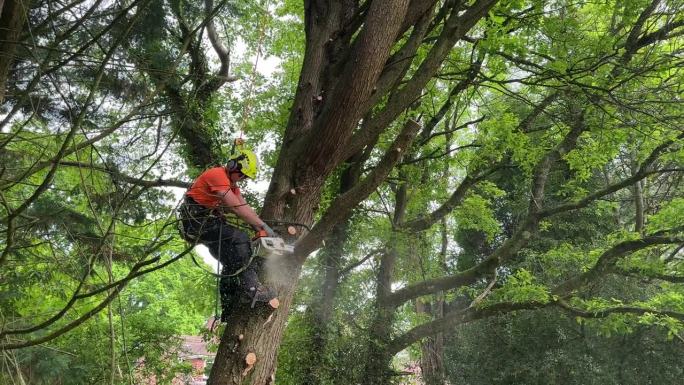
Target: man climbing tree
[(212, 194)]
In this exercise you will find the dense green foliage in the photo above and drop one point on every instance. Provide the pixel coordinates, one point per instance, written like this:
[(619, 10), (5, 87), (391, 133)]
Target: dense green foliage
[(531, 233), (548, 348)]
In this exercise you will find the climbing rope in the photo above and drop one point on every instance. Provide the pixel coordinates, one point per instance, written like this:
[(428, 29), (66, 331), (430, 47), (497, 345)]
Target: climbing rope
[(261, 30)]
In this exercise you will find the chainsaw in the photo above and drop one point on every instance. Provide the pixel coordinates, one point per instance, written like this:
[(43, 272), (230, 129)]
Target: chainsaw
[(267, 247)]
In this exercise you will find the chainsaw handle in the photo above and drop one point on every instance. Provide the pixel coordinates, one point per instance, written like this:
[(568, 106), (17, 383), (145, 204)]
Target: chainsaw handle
[(260, 234)]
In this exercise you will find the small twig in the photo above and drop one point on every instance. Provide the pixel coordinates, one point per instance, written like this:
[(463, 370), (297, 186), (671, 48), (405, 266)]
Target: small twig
[(486, 291)]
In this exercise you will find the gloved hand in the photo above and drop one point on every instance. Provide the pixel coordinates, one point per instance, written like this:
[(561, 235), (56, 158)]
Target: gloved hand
[(269, 230)]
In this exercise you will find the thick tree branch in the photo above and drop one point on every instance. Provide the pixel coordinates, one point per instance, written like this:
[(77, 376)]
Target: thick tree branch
[(12, 18), (541, 171), (510, 246), (399, 63), (632, 38), (641, 174), (342, 110), (347, 201), (662, 33), (417, 10), (115, 174), (456, 26), (454, 318), (526, 124), (617, 310), (345, 270), (456, 198), (469, 276), (223, 74), (673, 254), (636, 273), (608, 259)]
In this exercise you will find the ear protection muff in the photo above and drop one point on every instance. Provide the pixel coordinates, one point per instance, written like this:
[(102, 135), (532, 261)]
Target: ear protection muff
[(234, 164)]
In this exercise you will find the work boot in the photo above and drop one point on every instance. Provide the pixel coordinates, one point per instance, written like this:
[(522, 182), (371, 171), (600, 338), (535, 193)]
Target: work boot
[(263, 294)]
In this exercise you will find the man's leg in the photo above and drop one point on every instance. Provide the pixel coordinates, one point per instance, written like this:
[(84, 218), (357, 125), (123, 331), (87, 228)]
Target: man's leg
[(240, 256), (236, 257), (233, 249)]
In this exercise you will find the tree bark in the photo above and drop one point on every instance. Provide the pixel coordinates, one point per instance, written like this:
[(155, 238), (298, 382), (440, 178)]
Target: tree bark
[(377, 367), (12, 18), (257, 331), (638, 194), (432, 348)]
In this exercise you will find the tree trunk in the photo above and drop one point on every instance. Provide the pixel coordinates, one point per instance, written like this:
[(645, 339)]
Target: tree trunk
[(377, 370), (432, 348), (639, 207), (331, 97), (638, 196), (317, 371), (257, 331), (12, 18)]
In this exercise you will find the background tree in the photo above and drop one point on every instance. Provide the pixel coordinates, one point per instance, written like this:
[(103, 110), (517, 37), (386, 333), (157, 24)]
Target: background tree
[(559, 106)]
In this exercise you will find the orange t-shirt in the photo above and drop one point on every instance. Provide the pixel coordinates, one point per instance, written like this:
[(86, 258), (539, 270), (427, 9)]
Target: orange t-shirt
[(206, 185)]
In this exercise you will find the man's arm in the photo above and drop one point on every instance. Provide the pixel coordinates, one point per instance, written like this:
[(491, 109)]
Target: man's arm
[(239, 206)]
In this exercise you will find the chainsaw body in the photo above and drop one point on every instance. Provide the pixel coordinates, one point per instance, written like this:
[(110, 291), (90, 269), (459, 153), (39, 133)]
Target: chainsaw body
[(267, 247)]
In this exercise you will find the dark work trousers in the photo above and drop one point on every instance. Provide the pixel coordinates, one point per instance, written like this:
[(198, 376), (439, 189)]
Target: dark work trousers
[(228, 244)]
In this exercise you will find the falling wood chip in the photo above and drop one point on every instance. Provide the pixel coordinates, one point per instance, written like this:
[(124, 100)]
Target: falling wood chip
[(241, 337), (274, 303), (291, 230)]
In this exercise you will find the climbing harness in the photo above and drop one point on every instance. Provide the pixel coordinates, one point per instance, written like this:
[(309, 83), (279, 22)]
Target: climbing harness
[(190, 211)]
